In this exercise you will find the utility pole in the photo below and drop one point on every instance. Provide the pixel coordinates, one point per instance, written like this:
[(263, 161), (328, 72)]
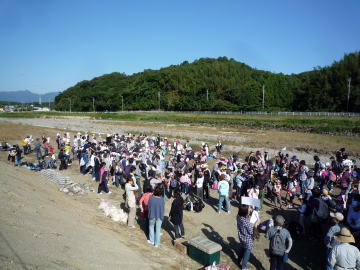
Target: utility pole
[(348, 95), (93, 104), (263, 96), (207, 94), (122, 103), (159, 98), (70, 104), (49, 105)]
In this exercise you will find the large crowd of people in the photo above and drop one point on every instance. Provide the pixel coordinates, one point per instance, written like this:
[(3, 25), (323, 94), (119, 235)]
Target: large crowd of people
[(152, 169)]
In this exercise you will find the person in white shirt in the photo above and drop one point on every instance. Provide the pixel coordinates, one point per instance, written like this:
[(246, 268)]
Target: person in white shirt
[(347, 162), (130, 187), (344, 256), (199, 185)]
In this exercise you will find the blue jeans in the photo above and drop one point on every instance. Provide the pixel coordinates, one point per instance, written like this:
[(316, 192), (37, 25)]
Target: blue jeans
[(154, 230), (17, 160), (302, 187), (185, 188), (227, 202), (97, 175), (328, 266), (244, 257), (276, 262), (308, 195), (93, 173)]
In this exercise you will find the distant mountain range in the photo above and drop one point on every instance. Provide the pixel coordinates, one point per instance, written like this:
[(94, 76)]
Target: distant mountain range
[(26, 96)]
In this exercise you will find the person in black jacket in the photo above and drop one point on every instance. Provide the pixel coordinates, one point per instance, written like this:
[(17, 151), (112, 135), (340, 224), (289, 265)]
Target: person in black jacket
[(176, 215), (62, 157), (206, 183)]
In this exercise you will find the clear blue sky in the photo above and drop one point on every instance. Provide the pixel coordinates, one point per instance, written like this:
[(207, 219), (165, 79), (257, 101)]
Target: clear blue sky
[(50, 45)]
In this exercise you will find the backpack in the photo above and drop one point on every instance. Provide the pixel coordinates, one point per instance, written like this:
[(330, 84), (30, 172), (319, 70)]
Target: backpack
[(332, 176), (277, 243), (198, 206), (215, 185), (321, 213), (173, 183)]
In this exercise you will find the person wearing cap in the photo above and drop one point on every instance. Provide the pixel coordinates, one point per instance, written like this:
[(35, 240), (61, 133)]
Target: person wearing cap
[(309, 184), (280, 243), (329, 241), (223, 189), (302, 176), (260, 180), (344, 256)]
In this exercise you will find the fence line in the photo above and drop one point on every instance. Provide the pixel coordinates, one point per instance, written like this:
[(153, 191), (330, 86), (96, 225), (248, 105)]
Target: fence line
[(242, 112)]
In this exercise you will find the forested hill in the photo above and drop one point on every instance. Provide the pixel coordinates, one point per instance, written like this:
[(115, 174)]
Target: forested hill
[(220, 84)]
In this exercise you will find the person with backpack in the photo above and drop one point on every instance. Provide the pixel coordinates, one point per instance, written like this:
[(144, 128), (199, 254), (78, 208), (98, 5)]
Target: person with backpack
[(280, 243), (223, 189), (319, 213)]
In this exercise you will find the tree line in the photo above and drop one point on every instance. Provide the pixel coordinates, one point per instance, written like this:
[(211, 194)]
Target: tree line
[(220, 84)]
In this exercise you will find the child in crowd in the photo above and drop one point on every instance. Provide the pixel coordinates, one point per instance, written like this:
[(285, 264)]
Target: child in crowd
[(301, 213), (291, 192), (277, 194)]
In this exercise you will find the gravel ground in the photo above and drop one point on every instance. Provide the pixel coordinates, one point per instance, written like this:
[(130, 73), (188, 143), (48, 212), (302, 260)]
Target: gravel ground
[(195, 134)]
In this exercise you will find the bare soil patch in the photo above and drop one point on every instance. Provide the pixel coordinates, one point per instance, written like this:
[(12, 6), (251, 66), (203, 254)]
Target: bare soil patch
[(42, 228)]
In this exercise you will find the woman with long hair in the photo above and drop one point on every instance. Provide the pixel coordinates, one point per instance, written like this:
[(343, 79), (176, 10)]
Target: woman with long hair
[(246, 235)]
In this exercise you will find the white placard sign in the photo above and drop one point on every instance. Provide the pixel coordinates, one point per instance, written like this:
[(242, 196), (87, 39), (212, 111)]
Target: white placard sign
[(250, 201)]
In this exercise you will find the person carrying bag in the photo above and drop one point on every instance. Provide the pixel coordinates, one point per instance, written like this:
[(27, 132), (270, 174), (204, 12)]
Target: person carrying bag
[(280, 244)]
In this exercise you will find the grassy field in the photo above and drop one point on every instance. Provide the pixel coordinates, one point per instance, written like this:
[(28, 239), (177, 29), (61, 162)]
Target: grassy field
[(312, 124)]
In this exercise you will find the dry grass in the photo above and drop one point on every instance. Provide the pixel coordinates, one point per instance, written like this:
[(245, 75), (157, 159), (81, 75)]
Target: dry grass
[(254, 138), (16, 132)]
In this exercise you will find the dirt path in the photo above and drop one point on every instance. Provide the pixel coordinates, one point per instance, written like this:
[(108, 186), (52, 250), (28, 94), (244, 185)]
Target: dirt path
[(42, 228)]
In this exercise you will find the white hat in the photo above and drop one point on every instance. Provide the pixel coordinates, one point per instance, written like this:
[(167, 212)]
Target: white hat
[(337, 215)]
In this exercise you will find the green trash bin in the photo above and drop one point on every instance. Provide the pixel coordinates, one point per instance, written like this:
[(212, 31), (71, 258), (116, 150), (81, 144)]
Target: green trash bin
[(204, 251)]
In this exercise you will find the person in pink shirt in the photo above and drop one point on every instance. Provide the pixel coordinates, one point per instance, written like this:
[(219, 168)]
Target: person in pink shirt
[(103, 186), (144, 203)]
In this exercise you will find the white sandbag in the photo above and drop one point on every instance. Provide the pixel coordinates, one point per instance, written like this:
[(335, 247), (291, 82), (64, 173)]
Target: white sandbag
[(123, 216), (107, 210), (115, 215), (114, 211), (103, 204)]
